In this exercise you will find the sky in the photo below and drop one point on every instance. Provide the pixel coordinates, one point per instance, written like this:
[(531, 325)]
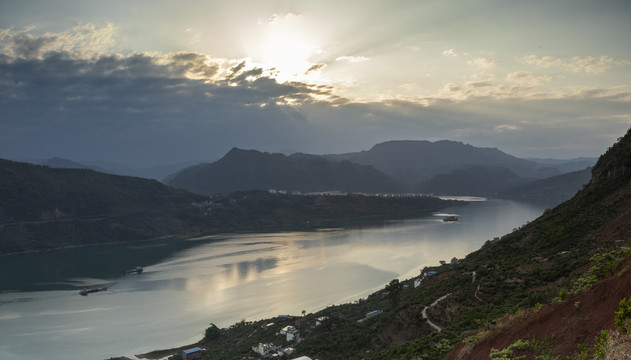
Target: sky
[(150, 82)]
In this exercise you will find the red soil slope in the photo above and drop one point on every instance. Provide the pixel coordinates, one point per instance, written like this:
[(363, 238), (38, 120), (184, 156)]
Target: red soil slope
[(579, 319)]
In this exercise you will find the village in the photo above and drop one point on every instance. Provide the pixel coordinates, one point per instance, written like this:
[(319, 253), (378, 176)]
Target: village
[(288, 329)]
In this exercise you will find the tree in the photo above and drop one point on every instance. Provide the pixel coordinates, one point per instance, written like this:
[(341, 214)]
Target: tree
[(394, 290), (212, 332)]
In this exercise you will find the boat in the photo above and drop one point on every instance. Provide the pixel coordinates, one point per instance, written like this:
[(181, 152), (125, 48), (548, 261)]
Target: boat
[(85, 292), (137, 270), (450, 218)]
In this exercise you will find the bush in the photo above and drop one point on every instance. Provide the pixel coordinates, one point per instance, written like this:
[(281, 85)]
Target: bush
[(623, 316)]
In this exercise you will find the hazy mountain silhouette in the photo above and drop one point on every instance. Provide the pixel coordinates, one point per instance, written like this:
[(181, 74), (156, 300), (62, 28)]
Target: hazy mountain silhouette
[(442, 168), (251, 169), (555, 189), (474, 180), (412, 162)]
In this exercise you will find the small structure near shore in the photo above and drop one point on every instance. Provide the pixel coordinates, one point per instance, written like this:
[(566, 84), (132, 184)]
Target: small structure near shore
[(193, 353)]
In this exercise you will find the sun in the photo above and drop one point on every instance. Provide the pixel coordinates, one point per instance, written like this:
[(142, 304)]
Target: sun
[(285, 44)]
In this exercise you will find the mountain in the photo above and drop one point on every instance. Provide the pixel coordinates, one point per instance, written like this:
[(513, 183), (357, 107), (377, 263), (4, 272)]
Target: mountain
[(250, 169), (555, 189), (412, 162), (474, 181), (566, 166)]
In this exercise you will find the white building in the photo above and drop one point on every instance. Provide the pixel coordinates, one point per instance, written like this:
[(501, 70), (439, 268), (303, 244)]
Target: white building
[(291, 333), (264, 349)]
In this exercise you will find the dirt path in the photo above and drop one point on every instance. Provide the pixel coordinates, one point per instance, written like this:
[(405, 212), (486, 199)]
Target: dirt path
[(424, 313)]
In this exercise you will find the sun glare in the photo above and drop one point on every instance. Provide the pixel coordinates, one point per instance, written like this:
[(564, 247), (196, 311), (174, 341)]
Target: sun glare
[(284, 44)]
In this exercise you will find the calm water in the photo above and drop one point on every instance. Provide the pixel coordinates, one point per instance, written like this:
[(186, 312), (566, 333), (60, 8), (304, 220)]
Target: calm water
[(220, 279)]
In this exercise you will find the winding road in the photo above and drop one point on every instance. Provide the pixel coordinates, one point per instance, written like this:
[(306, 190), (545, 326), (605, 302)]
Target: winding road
[(424, 312)]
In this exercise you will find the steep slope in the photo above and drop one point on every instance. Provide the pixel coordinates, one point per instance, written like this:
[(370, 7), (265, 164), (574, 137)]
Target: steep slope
[(251, 169), (412, 162), (596, 220), (562, 326)]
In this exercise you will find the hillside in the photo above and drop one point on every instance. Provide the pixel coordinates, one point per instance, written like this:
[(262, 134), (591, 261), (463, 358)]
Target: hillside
[(44, 208), (254, 170), (545, 291)]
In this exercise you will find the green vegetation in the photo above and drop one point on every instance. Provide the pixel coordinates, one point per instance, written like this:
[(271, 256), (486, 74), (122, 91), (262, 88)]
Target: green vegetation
[(508, 352), (604, 265), (623, 316)]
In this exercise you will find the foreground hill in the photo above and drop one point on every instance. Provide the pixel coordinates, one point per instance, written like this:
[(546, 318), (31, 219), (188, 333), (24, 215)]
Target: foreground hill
[(254, 170), (545, 291), (43, 208)]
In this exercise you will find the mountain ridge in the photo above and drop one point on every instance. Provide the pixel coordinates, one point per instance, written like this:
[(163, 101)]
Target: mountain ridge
[(393, 166), (252, 169)]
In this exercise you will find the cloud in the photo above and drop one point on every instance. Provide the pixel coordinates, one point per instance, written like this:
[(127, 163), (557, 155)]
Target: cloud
[(527, 78), (316, 67), (450, 53), (80, 41), (588, 64), (352, 59), (506, 127), (483, 63)]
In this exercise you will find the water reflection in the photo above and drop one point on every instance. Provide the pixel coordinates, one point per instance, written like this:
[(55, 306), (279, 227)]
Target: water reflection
[(243, 268)]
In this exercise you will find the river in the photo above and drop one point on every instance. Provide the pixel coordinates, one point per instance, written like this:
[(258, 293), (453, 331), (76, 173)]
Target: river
[(187, 284)]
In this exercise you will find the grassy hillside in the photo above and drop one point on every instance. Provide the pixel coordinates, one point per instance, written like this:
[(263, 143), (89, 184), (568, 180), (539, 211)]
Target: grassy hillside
[(570, 260)]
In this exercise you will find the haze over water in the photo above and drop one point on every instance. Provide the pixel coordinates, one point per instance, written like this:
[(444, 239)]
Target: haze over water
[(221, 279)]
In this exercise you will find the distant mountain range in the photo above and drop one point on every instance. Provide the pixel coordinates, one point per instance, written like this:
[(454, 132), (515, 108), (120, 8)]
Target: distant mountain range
[(255, 170), (442, 168)]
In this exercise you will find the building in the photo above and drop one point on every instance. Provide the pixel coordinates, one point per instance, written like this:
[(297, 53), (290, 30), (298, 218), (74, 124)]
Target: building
[(193, 353), (373, 314), (291, 333), (265, 349)]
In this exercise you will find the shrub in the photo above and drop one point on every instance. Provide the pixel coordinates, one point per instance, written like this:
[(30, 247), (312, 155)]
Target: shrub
[(623, 316)]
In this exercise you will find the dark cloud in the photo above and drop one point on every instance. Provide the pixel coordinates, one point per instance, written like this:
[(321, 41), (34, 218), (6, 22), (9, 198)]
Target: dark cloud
[(140, 108)]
